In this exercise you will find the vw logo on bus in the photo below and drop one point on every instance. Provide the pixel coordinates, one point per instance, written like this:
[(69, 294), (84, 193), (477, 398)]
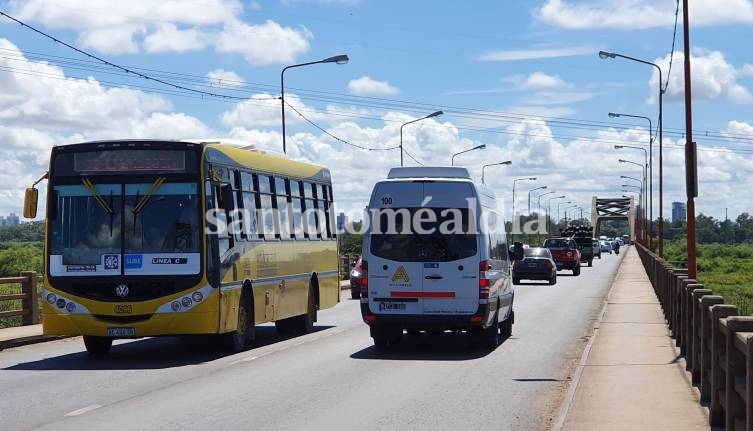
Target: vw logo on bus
[(121, 290)]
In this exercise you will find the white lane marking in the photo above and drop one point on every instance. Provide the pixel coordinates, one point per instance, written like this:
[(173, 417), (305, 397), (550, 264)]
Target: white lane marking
[(83, 410)]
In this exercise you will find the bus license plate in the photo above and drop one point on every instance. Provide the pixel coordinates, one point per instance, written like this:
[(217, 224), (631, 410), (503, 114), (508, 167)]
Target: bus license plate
[(121, 332)]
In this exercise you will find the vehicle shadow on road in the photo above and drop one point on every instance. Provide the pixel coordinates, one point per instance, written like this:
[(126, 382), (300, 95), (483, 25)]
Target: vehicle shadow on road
[(154, 353), (445, 347)]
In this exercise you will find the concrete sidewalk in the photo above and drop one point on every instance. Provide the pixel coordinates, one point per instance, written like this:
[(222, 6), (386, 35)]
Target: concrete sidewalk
[(630, 377), (23, 335), (30, 334)]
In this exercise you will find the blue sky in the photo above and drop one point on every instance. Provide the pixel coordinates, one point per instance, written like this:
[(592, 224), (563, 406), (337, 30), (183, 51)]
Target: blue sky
[(522, 77)]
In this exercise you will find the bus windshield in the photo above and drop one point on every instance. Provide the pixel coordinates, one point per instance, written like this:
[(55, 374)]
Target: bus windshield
[(165, 222), (84, 233)]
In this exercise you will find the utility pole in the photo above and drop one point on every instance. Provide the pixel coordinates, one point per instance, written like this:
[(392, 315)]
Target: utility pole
[(691, 175)]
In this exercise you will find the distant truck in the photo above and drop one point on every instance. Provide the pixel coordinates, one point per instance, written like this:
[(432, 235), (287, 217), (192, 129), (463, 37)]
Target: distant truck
[(583, 237)]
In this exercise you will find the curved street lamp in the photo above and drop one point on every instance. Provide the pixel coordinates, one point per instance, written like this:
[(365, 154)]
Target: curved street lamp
[(605, 55), (650, 183), (508, 162), (339, 59), (538, 205), (433, 114), (512, 235), (529, 197), (477, 147), (558, 210)]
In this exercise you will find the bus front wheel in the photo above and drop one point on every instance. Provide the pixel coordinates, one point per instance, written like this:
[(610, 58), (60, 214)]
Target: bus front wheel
[(239, 339), (97, 345)]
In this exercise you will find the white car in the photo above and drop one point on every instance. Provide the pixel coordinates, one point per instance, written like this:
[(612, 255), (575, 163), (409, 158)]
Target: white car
[(606, 247)]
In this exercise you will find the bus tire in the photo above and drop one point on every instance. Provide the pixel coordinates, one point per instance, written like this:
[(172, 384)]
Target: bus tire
[(305, 322), (97, 345), (240, 339)]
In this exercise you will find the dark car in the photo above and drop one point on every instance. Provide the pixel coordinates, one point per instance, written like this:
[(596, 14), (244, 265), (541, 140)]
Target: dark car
[(355, 279), (537, 264)]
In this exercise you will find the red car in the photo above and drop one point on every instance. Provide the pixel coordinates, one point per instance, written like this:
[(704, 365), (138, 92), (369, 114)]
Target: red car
[(355, 279), (565, 253)]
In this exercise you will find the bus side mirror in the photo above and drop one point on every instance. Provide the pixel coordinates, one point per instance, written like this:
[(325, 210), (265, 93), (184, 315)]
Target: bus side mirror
[(30, 202)]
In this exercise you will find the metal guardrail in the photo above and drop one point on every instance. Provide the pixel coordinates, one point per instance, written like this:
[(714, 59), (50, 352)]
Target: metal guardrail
[(715, 340), (29, 310)]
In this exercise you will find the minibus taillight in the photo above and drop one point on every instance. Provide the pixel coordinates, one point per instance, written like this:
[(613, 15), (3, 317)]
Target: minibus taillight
[(364, 282), (483, 282)]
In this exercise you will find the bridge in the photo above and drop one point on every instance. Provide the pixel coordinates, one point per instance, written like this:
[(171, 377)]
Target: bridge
[(574, 361)]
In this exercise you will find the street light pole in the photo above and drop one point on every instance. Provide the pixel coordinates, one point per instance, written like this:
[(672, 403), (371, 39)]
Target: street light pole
[(529, 197), (339, 59), (512, 235), (549, 212), (433, 114), (558, 211), (650, 183), (642, 197), (646, 184), (538, 205), (508, 162), (477, 147), (605, 55)]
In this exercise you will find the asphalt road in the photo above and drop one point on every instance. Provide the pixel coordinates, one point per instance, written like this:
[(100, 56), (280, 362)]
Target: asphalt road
[(332, 378)]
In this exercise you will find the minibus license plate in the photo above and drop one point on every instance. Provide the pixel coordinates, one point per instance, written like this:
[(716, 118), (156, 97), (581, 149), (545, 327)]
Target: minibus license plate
[(121, 332)]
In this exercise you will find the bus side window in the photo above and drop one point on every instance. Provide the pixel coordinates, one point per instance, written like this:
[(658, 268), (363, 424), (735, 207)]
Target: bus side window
[(310, 222)]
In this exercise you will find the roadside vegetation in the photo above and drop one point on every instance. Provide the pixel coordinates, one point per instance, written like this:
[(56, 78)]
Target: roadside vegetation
[(20, 250), (726, 269)]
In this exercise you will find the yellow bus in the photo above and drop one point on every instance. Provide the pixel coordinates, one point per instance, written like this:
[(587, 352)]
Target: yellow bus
[(150, 238)]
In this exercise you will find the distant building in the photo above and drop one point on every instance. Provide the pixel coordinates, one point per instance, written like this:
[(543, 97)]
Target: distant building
[(11, 220), (679, 212)]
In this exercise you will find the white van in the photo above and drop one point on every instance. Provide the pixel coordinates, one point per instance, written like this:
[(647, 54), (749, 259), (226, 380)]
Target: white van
[(435, 257)]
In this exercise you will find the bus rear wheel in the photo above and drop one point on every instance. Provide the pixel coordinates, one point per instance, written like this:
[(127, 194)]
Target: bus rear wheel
[(97, 345), (305, 322)]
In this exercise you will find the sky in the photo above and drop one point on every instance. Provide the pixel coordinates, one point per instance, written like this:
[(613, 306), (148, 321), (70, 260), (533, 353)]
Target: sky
[(522, 77)]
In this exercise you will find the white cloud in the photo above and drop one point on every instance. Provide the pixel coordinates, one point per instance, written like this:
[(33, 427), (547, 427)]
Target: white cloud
[(225, 78), (265, 43), (45, 107), (167, 26), (261, 110), (540, 80), (640, 14), (736, 129), (168, 38), (365, 86), (534, 54), (712, 78)]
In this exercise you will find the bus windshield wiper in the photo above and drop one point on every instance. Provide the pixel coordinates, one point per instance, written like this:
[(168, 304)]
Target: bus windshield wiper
[(148, 195), (98, 197)]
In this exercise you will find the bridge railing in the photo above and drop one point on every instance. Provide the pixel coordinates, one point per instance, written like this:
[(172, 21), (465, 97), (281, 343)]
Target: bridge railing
[(715, 340), (27, 298)]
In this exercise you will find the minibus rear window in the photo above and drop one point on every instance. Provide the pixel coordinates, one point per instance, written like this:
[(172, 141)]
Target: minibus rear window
[(413, 235)]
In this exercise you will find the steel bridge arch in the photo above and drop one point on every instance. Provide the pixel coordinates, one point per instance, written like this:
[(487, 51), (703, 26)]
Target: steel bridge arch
[(605, 209)]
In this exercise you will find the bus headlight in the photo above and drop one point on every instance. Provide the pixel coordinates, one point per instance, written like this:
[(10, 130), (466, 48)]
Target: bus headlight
[(175, 305), (197, 296), (51, 298)]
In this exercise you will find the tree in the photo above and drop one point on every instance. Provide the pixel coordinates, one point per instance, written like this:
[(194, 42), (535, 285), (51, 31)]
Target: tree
[(20, 258)]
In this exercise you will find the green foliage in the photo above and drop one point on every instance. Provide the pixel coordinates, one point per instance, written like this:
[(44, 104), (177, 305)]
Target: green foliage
[(726, 269), (351, 243), (18, 258), (28, 232)]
